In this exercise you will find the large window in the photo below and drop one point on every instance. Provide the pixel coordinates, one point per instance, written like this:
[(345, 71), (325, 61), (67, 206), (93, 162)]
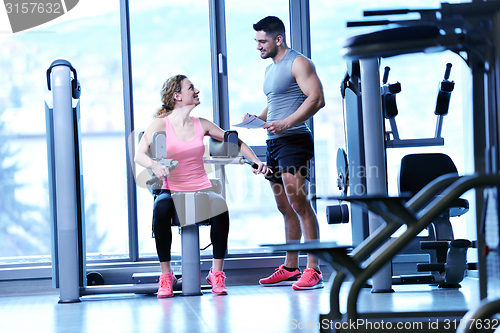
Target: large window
[(167, 38), (245, 67), (250, 198), (163, 44), (24, 201)]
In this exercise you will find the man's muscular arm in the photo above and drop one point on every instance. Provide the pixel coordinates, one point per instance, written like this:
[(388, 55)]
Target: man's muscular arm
[(304, 72)]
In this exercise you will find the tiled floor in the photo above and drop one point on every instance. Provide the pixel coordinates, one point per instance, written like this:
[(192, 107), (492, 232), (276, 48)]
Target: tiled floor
[(245, 309)]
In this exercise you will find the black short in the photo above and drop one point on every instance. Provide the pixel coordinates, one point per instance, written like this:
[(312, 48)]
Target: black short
[(290, 154)]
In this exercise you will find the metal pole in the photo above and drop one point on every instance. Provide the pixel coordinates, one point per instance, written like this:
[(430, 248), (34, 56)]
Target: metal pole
[(376, 174), (219, 63), (478, 120), (220, 90), (190, 243), (300, 40), (356, 153), (66, 186), (129, 129)]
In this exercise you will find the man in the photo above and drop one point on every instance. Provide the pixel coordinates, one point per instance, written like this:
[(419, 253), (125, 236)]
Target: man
[(294, 94)]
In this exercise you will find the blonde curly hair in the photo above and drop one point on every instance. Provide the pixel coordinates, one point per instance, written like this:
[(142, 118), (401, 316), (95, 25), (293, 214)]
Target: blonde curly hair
[(172, 85)]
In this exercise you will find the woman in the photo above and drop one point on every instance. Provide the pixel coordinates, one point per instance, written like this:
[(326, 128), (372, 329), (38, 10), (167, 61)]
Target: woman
[(185, 144)]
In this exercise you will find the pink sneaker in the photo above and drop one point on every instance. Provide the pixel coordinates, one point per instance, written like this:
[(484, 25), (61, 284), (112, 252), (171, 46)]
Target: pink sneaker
[(281, 277), (217, 281), (310, 279), (166, 284)]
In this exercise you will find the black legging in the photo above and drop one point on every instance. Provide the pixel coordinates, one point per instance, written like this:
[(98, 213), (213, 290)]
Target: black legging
[(164, 213)]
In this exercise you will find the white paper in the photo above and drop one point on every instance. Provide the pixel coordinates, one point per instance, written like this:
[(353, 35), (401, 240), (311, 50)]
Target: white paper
[(251, 122)]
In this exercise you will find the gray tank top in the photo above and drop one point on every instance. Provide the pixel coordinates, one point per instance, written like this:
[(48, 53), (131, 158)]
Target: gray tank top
[(284, 95)]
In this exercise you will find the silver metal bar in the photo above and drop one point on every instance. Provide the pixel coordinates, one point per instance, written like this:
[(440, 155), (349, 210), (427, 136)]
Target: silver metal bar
[(129, 128), (146, 288), (223, 161), (374, 132), (66, 189), (439, 126), (190, 243)]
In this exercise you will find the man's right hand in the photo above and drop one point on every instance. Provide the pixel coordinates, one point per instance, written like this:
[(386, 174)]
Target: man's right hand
[(247, 115)]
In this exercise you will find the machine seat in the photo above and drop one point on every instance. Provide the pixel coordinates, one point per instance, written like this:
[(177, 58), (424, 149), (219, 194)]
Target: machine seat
[(217, 187), (418, 170)]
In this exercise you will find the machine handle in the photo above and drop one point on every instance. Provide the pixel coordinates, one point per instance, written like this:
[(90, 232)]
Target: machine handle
[(252, 164), (430, 267), (173, 164), (76, 89), (387, 69), (434, 245), (156, 180), (448, 71), (59, 62), (386, 12), (444, 95)]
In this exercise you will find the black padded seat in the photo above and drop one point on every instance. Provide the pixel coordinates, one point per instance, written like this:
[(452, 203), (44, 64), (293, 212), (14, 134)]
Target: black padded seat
[(392, 42), (417, 170)]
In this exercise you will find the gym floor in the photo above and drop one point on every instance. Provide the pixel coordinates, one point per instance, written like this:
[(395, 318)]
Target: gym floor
[(32, 306)]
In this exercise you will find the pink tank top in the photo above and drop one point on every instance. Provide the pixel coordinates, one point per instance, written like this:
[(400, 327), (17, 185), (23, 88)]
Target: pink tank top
[(190, 174)]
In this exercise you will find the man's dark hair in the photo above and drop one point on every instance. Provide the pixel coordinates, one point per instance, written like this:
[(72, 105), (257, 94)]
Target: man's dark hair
[(272, 26)]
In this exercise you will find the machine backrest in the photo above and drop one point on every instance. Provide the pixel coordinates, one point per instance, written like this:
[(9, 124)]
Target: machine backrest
[(417, 170), (226, 148), (158, 147)]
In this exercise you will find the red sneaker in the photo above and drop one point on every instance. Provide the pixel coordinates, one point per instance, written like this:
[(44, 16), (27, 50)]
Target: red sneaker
[(310, 279), (281, 277), (166, 284), (217, 281)]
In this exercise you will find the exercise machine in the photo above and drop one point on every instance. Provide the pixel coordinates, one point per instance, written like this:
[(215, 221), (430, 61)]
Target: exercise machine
[(354, 182), (67, 192), (363, 262), (447, 256), (191, 208), (461, 29), (65, 179)]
